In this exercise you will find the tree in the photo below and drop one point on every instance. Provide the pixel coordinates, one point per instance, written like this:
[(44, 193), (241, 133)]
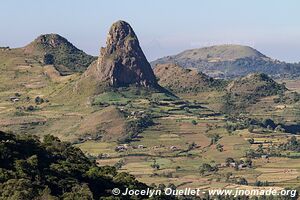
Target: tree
[(229, 160), (79, 192), (248, 162), (192, 146), (172, 186), (269, 122), (228, 175), (207, 168), (31, 169), (279, 128), (161, 186), (215, 138), (48, 59), (260, 149), (38, 100), (219, 147), (251, 129), (251, 141), (194, 122), (119, 164), (250, 153), (155, 165), (241, 181), (269, 128)]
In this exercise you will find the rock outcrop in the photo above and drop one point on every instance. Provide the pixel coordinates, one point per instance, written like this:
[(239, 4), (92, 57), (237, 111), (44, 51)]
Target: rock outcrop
[(122, 62)]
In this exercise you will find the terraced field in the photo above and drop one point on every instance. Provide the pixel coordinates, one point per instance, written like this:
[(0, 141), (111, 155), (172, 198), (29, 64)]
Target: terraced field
[(187, 131)]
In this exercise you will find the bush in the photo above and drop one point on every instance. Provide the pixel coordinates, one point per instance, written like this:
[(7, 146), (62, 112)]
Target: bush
[(48, 59), (241, 181), (194, 122), (207, 168), (31, 169)]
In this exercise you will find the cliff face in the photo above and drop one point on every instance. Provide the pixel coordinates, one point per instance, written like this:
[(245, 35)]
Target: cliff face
[(122, 62)]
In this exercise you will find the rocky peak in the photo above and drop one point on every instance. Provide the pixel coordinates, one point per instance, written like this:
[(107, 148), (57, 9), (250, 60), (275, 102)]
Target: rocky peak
[(122, 62), (53, 40), (47, 41), (121, 35)]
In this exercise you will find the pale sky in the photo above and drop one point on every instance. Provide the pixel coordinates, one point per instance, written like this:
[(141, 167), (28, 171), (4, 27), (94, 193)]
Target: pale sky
[(164, 27)]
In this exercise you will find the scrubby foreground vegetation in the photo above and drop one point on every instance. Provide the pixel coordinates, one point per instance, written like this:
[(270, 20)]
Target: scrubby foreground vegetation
[(51, 169)]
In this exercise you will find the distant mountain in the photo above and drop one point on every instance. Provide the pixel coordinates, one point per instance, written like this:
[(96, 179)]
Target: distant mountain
[(56, 50), (121, 63), (229, 61), (181, 80)]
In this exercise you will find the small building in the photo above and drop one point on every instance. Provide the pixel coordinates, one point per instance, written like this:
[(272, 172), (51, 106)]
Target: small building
[(242, 166), (120, 148), (223, 165), (264, 156), (173, 148), (14, 99), (232, 164)]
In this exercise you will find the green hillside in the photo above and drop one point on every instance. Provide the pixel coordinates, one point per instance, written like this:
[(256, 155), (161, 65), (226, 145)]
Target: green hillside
[(247, 90), (56, 50)]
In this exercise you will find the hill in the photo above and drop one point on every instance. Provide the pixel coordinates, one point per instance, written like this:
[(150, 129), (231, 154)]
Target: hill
[(122, 62), (180, 80), (230, 61), (220, 53), (55, 49), (108, 124), (31, 169), (248, 90)]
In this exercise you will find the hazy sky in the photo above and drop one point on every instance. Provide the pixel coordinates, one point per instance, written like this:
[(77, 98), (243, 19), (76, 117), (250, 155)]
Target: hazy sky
[(164, 27)]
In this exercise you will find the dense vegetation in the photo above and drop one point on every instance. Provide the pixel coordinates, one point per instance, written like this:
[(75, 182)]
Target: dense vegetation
[(58, 51), (248, 90), (31, 169)]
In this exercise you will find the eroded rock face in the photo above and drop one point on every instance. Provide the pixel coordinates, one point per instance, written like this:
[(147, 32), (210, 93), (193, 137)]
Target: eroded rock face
[(122, 62)]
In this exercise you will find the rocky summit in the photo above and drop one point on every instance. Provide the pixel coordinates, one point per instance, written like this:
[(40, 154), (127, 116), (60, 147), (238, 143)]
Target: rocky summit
[(122, 62)]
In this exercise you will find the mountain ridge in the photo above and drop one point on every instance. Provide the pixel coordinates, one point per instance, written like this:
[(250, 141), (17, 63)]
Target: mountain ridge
[(231, 61)]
